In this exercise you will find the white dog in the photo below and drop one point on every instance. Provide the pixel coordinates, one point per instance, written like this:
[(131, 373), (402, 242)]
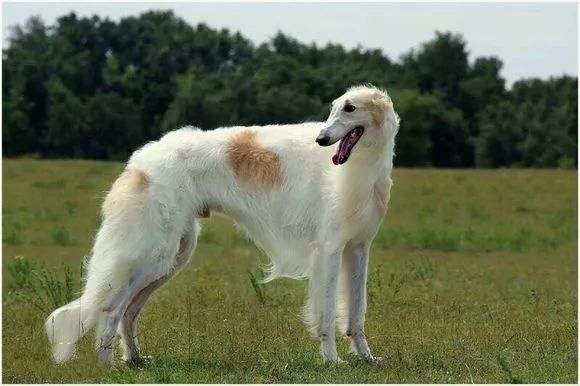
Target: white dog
[(314, 210)]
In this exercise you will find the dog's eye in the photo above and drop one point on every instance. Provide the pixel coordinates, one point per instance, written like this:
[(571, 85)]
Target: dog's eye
[(349, 108)]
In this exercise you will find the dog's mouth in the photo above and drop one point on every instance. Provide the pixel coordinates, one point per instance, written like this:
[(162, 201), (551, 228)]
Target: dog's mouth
[(346, 145)]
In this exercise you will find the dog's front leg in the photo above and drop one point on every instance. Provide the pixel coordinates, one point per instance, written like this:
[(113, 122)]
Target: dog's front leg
[(330, 264), (357, 275)]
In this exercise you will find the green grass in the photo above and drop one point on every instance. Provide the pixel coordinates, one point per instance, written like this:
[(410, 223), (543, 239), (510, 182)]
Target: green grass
[(473, 278)]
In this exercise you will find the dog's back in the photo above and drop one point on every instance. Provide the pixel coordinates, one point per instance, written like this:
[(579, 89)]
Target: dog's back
[(272, 180)]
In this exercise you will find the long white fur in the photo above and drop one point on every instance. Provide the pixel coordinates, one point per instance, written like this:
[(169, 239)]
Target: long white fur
[(318, 223)]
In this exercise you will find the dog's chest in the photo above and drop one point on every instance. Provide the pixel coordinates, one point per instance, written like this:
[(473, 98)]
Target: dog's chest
[(363, 211)]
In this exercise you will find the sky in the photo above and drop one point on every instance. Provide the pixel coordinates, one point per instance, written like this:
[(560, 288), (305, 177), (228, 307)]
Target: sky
[(532, 39)]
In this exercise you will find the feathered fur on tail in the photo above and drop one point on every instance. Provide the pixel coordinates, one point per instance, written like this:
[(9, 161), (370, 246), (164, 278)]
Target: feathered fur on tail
[(65, 326)]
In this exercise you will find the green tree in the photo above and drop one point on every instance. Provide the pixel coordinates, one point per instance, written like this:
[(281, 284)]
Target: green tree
[(482, 86), (67, 130), (430, 133), (201, 101), (499, 134), (115, 127), (439, 66), (535, 126), (413, 144), (25, 72), (91, 87), (17, 135)]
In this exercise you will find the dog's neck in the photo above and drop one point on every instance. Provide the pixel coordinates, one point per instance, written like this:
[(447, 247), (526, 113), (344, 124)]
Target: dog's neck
[(358, 177)]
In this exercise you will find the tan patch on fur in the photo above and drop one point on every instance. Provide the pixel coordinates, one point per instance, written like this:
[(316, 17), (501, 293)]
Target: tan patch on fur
[(252, 163), (374, 99), (378, 109), (130, 183)]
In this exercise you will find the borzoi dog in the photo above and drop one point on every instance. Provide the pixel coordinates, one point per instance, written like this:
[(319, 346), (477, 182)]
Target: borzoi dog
[(312, 206)]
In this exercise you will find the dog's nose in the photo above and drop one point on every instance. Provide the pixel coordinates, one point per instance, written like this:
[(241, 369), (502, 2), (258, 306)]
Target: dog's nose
[(323, 140)]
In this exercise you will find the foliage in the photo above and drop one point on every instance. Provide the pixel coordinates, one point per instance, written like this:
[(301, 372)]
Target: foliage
[(88, 87), (20, 271), (49, 291), (536, 126), (432, 133), (20, 136), (258, 287)]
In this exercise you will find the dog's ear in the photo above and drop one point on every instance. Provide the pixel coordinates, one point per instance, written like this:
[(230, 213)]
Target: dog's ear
[(380, 104)]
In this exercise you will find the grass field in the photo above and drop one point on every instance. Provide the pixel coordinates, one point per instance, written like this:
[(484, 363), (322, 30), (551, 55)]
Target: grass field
[(473, 278)]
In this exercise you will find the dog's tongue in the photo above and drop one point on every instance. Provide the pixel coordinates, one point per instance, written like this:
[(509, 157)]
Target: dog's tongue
[(346, 145)]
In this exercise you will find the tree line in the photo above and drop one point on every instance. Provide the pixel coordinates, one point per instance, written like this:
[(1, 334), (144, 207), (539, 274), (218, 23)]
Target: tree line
[(92, 88)]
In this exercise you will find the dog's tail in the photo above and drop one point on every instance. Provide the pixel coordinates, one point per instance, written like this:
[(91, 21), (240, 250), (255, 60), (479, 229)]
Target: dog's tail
[(66, 325)]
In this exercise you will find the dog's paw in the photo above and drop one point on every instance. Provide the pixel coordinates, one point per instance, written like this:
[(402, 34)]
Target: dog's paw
[(371, 359), (106, 355)]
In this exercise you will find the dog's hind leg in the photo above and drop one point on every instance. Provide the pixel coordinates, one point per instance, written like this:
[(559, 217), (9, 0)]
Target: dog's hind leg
[(111, 315), (128, 326)]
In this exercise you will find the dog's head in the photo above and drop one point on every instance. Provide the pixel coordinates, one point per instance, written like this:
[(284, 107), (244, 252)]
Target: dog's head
[(363, 116)]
